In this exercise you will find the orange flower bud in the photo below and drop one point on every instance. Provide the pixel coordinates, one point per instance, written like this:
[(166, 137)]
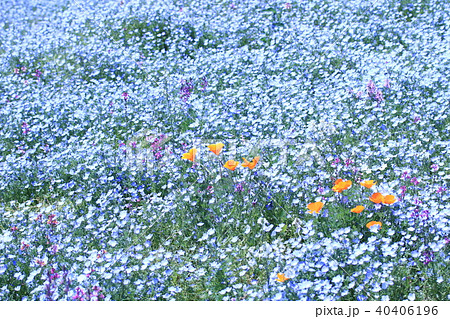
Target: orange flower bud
[(231, 165), (389, 199), (281, 277), (341, 185), (216, 148), (190, 155), (252, 164), (373, 223), (376, 198), (358, 209), (368, 184), (315, 207)]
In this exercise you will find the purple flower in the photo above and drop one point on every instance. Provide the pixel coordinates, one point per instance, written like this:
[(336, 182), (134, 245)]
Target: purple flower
[(186, 90), (239, 187), (405, 175), (427, 257), (204, 84), (374, 93), (25, 128)]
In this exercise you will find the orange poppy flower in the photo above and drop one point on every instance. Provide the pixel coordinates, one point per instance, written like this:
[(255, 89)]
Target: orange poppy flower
[(376, 198), (315, 207), (216, 148), (341, 185), (190, 155), (251, 164), (358, 209), (368, 184), (389, 199), (373, 223), (340, 180), (231, 165), (281, 277)]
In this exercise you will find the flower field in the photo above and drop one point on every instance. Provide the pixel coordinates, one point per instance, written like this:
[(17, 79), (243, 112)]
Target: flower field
[(220, 150)]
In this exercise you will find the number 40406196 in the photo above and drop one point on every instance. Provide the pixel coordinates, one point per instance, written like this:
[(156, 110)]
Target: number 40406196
[(410, 310)]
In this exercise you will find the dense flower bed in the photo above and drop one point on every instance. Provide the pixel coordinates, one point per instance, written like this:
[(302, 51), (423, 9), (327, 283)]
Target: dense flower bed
[(201, 150)]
